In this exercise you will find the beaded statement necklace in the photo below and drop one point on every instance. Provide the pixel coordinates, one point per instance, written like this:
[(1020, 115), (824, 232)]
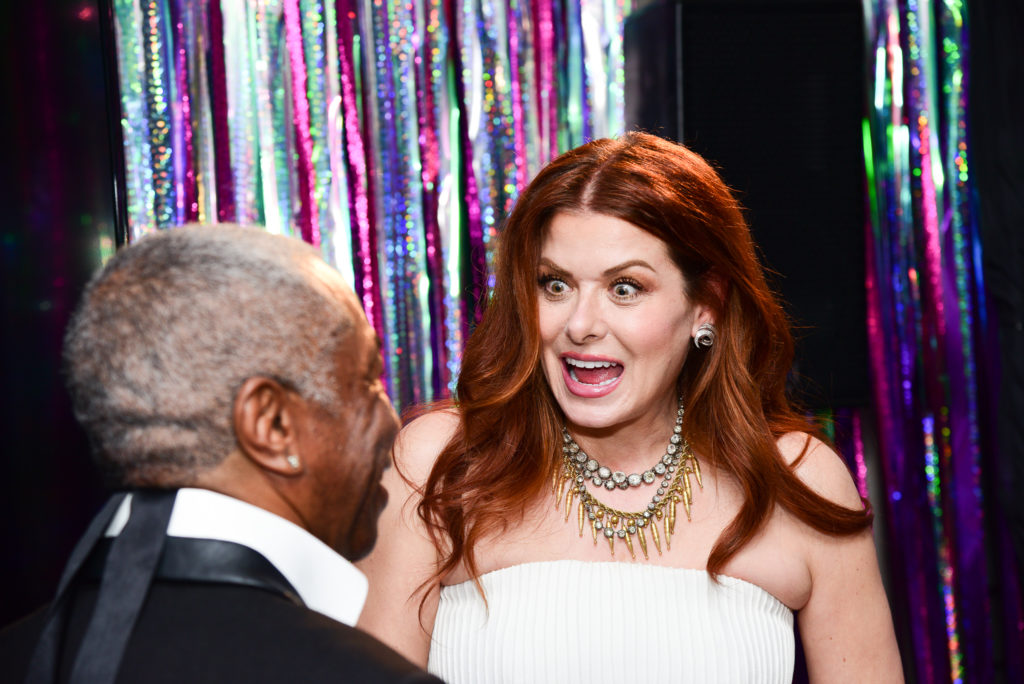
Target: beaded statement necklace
[(676, 467)]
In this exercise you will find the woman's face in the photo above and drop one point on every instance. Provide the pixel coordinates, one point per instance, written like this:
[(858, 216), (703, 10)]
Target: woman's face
[(615, 323)]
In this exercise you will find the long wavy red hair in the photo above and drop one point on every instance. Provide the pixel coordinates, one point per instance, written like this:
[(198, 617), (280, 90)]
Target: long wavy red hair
[(508, 441)]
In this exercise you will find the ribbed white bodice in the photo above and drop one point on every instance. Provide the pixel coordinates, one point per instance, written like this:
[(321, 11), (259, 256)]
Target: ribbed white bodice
[(572, 621)]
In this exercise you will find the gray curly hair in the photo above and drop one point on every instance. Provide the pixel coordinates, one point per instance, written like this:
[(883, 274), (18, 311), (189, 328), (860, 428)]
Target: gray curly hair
[(170, 328)]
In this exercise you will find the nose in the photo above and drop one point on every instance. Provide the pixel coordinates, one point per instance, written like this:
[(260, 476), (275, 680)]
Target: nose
[(586, 320)]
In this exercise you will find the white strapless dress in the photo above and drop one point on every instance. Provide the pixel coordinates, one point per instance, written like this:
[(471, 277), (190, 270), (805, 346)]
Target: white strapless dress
[(572, 621)]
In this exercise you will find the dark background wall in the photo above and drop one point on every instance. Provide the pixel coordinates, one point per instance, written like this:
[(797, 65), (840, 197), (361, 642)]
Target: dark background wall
[(997, 141), (57, 218), (771, 93)]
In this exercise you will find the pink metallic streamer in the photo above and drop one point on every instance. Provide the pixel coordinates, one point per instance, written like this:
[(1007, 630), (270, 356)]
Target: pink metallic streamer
[(518, 115), (936, 420), (309, 217), (930, 225), (547, 97), (318, 91), (902, 510), (181, 123), (861, 469)]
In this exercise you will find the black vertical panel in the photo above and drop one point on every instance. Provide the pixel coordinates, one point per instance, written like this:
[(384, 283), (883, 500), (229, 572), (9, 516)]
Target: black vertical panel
[(57, 218), (996, 157), (771, 92)]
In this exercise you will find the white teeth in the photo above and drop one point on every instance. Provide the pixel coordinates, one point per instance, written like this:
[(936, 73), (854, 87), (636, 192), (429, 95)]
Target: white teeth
[(589, 364)]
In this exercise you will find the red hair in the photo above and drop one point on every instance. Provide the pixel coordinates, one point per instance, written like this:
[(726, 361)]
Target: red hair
[(507, 444)]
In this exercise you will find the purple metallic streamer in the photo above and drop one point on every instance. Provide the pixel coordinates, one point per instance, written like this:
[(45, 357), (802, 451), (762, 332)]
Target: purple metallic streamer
[(937, 391), (186, 48), (219, 104), (391, 201), (915, 516), (908, 582), (400, 202), (477, 248), (181, 123), (964, 300)]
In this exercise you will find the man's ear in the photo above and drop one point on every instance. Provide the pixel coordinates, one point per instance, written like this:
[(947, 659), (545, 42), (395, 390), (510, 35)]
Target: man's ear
[(264, 416)]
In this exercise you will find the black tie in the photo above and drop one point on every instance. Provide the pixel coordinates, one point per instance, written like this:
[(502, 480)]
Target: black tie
[(126, 578)]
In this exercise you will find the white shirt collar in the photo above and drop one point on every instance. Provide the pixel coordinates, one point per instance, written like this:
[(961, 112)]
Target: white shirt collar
[(326, 582)]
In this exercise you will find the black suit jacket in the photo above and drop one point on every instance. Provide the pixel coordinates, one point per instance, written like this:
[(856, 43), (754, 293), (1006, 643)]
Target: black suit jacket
[(198, 632)]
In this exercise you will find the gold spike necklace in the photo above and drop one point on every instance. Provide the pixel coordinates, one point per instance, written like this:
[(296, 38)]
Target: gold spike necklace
[(676, 467)]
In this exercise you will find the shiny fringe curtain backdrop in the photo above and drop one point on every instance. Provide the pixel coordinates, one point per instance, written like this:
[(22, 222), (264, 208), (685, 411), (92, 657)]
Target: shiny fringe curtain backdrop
[(930, 343), (393, 135)]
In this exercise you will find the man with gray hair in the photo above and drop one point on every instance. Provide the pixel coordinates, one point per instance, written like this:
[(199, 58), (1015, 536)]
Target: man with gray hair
[(230, 387)]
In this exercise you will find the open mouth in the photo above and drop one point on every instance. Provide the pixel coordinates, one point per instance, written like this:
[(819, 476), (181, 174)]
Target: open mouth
[(596, 373)]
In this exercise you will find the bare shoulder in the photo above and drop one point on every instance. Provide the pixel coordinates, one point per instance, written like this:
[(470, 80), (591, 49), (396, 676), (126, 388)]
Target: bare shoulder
[(422, 440), (845, 624), (820, 468)]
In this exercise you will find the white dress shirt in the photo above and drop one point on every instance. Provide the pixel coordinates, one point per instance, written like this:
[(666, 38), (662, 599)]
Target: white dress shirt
[(326, 582)]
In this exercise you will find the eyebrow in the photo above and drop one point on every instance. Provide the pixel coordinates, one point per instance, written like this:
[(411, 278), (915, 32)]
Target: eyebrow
[(550, 264), (608, 271), (628, 264)]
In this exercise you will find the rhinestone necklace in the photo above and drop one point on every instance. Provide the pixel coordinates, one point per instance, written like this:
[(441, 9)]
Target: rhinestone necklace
[(676, 466), (600, 475)]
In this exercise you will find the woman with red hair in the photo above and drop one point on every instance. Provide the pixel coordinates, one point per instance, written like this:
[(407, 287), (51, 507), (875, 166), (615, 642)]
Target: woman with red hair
[(621, 490)]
